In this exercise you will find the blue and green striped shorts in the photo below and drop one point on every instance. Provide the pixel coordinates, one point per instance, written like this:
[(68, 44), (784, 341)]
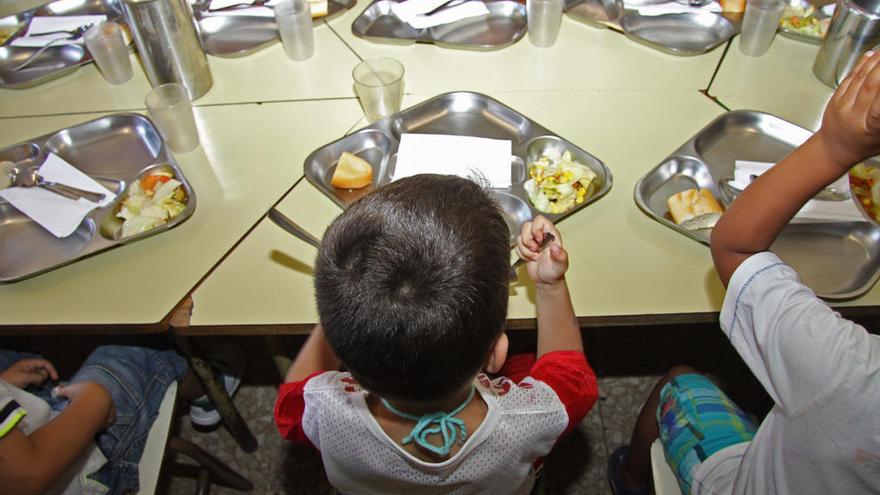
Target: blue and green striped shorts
[(697, 419)]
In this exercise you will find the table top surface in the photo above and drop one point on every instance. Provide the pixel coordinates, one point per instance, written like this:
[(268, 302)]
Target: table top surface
[(627, 104)]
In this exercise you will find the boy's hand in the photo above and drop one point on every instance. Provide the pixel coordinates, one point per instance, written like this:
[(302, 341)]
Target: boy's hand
[(29, 372), (850, 129), (545, 266), (90, 391)]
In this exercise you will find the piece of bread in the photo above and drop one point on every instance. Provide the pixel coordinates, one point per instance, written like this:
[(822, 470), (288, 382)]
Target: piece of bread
[(319, 8), (694, 209), (733, 6), (352, 172)]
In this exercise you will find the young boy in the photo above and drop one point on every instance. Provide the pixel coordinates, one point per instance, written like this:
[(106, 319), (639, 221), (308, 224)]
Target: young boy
[(90, 436), (412, 288), (822, 371)]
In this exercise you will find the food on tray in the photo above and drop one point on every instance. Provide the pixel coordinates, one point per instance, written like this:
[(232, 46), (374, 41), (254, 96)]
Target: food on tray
[(352, 172), (733, 5), (319, 8), (557, 182), (694, 209), (803, 20), (864, 183), (151, 202)]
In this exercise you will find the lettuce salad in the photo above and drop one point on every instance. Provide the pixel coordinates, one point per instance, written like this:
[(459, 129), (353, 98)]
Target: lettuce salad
[(557, 182), (151, 202)]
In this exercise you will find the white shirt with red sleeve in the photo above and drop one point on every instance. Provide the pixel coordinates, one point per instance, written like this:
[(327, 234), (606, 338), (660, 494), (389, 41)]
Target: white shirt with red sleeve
[(524, 420)]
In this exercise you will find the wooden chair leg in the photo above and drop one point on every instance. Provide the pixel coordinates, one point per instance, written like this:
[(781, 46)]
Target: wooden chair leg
[(210, 467)]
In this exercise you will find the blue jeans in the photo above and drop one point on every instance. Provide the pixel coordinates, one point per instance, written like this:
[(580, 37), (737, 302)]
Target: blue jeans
[(137, 379)]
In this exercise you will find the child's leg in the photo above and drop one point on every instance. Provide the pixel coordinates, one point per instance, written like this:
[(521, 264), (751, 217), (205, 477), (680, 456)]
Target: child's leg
[(137, 379)]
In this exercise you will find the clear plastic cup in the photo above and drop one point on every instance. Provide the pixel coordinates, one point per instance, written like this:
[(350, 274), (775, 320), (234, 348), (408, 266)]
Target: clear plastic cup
[(378, 83), (294, 20), (107, 45), (759, 26), (170, 108), (544, 18)]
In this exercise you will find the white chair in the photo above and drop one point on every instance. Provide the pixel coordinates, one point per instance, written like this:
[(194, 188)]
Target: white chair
[(665, 482), (160, 441)]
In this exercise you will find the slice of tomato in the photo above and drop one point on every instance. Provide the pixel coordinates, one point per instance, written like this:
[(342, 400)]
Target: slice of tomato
[(149, 182)]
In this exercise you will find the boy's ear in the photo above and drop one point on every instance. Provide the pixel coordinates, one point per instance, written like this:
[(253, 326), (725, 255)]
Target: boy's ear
[(497, 354)]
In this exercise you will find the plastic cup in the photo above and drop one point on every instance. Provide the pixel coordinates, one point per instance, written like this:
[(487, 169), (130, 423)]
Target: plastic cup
[(759, 26), (378, 83), (544, 17), (107, 45), (294, 19), (171, 110)]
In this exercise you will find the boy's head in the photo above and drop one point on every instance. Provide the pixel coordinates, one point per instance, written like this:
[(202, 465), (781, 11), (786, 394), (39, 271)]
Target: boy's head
[(412, 286)]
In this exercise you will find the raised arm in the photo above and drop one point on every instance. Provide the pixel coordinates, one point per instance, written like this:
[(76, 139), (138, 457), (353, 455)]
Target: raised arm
[(850, 133), (558, 329)]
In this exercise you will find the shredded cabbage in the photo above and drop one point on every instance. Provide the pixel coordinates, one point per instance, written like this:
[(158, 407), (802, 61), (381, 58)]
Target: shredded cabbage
[(557, 182), (147, 209)]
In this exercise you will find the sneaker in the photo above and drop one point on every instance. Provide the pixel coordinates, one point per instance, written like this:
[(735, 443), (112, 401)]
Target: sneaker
[(615, 461), (202, 412)]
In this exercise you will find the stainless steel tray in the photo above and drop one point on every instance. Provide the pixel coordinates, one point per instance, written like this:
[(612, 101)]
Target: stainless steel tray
[(837, 260), (505, 24), (57, 61), (463, 114), (683, 34), (115, 150), (232, 36)]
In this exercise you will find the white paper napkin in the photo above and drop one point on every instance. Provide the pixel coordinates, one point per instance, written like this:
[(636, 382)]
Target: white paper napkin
[(55, 23), (57, 214), (671, 8), (815, 210), (412, 12), (454, 155)]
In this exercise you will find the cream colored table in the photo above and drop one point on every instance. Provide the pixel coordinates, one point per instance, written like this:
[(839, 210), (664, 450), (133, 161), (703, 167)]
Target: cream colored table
[(250, 156), (583, 58), (781, 82)]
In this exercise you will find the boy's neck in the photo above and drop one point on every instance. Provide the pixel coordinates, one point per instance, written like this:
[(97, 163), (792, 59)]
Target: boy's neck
[(445, 405)]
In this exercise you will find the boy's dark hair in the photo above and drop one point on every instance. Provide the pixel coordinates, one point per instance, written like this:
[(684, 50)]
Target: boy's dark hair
[(412, 285)]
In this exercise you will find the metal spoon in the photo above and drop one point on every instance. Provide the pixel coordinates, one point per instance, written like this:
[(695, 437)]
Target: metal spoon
[(291, 227), (31, 178), (548, 238), (74, 34), (826, 194)]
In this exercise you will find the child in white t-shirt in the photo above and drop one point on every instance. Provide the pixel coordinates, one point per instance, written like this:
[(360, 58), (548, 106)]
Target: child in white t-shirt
[(822, 371), (412, 286)]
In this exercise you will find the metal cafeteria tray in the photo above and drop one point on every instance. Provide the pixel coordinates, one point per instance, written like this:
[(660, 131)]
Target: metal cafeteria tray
[(225, 35), (462, 114), (837, 260), (116, 150), (684, 34), (57, 61), (505, 24)]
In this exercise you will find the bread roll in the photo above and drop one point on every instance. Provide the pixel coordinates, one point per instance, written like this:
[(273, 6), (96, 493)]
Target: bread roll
[(734, 6), (352, 172), (694, 209), (318, 8)]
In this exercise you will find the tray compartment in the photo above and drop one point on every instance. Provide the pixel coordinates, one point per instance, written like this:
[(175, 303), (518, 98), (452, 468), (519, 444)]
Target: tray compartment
[(27, 249), (372, 145), (503, 26), (516, 212), (22, 155), (117, 146), (837, 260), (678, 34), (544, 144), (463, 114)]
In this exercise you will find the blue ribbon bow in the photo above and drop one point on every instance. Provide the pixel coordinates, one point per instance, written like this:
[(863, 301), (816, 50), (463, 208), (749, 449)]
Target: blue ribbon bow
[(448, 426)]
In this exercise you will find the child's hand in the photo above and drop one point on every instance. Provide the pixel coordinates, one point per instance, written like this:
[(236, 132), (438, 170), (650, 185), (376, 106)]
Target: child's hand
[(29, 372), (548, 265), (850, 128), (89, 391)]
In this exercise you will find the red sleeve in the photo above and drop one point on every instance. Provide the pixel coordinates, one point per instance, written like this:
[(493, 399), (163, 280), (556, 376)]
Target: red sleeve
[(289, 409), (570, 376)]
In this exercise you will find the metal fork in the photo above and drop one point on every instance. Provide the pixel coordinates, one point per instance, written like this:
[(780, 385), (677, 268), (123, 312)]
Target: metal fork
[(444, 6), (73, 34)]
